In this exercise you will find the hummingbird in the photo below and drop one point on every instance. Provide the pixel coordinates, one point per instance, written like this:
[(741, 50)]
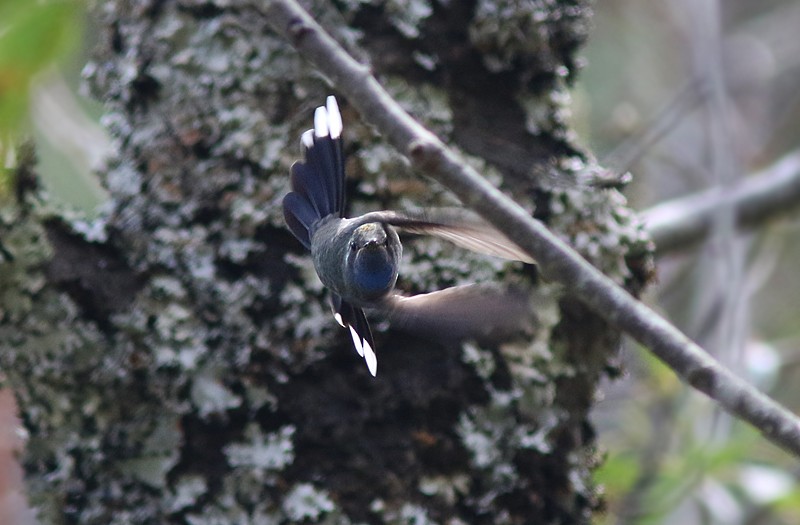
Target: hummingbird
[(358, 258)]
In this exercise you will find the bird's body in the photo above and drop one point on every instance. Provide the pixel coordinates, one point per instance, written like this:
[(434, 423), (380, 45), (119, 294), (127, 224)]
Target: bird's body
[(358, 258)]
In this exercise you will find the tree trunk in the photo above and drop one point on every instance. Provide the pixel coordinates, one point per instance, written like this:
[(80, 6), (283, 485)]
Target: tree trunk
[(176, 361)]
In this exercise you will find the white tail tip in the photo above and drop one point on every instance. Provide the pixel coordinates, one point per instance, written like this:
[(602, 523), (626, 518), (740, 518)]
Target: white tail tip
[(321, 122), (356, 341), (334, 117), (371, 359), (307, 139)]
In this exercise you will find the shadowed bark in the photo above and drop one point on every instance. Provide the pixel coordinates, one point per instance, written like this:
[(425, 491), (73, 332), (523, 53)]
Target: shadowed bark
[(176, 362)]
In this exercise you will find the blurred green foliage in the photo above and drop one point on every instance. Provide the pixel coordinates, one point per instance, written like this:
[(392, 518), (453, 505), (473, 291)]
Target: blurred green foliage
[(33, 37)]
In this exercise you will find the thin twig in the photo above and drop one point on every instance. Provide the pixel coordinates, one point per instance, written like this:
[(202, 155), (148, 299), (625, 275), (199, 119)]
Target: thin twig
[(764, 196), (640, 142), (556, 259)]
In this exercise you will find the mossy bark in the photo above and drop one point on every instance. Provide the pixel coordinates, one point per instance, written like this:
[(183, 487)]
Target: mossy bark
[(176, 362)]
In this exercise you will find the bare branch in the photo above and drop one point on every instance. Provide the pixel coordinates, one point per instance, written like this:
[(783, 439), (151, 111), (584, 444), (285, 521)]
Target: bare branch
[(557, 260), (762, 197)]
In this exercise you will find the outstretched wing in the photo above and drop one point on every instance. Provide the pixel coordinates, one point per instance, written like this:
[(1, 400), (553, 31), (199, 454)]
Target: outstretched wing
[(485, 312), (354, 320), (318, 181), (459, 226)]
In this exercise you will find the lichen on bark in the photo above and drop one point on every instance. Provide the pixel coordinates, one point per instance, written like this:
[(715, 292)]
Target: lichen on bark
[(175, 360)]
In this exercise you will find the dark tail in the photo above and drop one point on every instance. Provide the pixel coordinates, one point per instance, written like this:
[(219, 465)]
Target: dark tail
[(317, 183)]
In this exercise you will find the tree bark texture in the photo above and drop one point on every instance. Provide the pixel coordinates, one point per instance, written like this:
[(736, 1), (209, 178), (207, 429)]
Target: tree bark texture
[(175, 361)]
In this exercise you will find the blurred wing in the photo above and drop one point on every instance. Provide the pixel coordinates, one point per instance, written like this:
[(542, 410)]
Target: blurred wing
[(484, 312), (318, 181), (459, 226), (352, 318)]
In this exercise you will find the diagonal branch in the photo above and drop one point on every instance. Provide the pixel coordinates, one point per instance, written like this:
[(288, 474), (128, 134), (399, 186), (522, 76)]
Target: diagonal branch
[(762, 197), (556, 259)]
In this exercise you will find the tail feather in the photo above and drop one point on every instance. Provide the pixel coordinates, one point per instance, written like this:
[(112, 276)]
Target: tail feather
[(335, 128), (321, 166), (299, 216), (353, 318), (318, 181), (305, 181)]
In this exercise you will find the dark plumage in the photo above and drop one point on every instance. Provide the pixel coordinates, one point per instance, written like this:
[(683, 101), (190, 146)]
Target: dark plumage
[(358, 258)]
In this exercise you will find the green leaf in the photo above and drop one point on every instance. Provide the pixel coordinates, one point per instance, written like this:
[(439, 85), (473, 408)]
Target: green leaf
[(33, 36)]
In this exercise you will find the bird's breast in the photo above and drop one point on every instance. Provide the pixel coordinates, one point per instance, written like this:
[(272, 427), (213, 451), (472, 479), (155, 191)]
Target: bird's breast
[(357, 261), (374, 273)]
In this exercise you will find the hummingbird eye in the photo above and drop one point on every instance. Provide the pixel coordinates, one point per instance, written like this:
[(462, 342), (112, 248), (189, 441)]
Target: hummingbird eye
[(353, 246)]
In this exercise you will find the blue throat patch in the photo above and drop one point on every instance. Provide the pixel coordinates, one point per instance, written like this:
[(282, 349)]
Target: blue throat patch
[(373, 272)]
